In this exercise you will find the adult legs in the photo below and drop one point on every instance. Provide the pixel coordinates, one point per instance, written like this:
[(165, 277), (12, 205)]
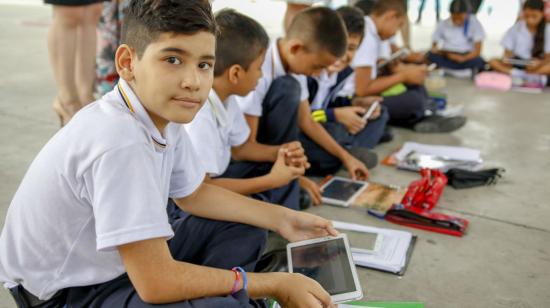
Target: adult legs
[(86, 49), (62, 38)]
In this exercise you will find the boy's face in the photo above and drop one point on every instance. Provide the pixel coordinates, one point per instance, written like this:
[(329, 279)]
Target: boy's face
[(173, 77), (390, 23), (354, 40), (304, 62), (459, 18), (248, 79)]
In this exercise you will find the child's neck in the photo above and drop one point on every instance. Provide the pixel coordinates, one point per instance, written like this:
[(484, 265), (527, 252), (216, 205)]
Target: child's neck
[(222, 88), (283, 54), (377, 20)]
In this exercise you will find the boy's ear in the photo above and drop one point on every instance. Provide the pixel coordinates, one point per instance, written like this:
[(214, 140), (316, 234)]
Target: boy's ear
[(295, 46), (124, 58), (235, 73)]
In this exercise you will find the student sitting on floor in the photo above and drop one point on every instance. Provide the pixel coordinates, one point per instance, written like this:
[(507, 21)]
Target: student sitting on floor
[(404, 95), (528, 39), (341, 118), (278, 107), (457, 41), (219, 130), (88, 225)]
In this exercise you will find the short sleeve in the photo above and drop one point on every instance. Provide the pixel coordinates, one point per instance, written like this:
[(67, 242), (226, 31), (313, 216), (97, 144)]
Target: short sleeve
[(438, 37), (367, 53), (509, 40), (252, 103), (478, 33), (202, 132), (127, 202), (304, 91), (547, 39), (240, 131), (187, 173)]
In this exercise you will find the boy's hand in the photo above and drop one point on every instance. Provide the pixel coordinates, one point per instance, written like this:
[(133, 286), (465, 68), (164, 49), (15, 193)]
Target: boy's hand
[(295, 154), (457, 57), (415, 74), (311, 188), (350, 117), (535, 65), (297, 290), (366, 101), (281, 173), (357, 170), (298, 226)]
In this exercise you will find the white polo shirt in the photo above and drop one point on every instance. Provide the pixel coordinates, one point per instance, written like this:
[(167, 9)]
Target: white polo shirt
[(100, 182), (451, 37), (368, 52), (215, 129), (521, 41), (272, 68)]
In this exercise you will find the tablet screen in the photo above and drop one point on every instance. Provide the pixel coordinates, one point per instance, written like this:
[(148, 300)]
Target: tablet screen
[(341, 190), (327, 263), (361, 240)]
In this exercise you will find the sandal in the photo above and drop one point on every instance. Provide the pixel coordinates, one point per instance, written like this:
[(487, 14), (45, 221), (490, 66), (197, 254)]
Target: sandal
[(62, 111)]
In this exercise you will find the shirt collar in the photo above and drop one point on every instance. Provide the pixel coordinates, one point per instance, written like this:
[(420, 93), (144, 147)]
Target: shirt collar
[(277, 68), (134, 105), (218, 108)]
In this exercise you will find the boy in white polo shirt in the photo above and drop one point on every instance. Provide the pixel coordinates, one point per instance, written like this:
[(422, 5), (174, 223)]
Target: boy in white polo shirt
[(88, 225), (278, 108), (219, 131), (407, 108)]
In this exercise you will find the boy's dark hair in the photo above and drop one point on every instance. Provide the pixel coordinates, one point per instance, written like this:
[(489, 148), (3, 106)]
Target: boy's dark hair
[(460, 6), (145, 20), (383, 6), (353, 19), (538, 46), (365, 6), (241, 40), (320, 28)]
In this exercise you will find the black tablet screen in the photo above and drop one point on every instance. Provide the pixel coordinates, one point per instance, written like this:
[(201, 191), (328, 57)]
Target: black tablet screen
[(341, 190), (327, 263)]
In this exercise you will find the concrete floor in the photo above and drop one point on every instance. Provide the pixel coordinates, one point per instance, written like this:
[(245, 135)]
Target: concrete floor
[(503, 261)]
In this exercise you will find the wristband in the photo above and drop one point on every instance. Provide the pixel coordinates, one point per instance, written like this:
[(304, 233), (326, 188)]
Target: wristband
[(245, 279), (236, 283)]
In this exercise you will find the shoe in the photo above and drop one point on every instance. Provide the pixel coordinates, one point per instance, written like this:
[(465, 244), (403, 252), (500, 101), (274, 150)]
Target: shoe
[(62, 114), (387, 136), (305, 200), (368, 157), (439, 124)]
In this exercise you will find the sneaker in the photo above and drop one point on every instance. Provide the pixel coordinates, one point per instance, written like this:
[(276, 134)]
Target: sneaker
[(439, 124), (305, 200), (387, 136), (368, 157)]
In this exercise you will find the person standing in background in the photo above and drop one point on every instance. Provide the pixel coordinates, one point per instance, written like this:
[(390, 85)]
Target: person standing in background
[(71, 45)]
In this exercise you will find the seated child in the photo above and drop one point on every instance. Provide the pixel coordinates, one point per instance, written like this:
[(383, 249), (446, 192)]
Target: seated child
[(457, 41), (220, 129), (88, 225), (404, 95), (342, 116), (528, 39), (279, 107)]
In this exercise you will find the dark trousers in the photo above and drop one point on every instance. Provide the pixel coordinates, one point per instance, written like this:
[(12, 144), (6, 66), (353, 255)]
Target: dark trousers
[(408, 108), (287, 195), (196, 240), (277, 125), (443, 61), (323, 163)]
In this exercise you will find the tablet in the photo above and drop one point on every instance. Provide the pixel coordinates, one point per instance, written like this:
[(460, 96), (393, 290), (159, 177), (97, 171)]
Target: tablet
[(518, 62), (341, 191), (328, 261)]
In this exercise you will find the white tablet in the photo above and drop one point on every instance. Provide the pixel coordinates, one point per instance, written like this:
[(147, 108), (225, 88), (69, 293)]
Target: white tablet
[(328, 261), (341, 191)]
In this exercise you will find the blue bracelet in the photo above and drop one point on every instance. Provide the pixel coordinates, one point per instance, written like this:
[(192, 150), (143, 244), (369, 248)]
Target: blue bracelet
[(245, 280)]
